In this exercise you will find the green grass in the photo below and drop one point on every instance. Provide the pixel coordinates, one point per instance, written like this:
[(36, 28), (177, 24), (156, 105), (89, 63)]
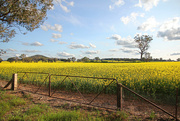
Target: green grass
[(8, 102), (14, 108), (61, 116)]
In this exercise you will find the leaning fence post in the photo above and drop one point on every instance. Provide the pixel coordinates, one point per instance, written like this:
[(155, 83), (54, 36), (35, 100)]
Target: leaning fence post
[(49, 85), (119, 96), (14, 82)]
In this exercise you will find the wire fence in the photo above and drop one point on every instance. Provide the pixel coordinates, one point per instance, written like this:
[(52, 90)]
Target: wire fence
[(110, 94)]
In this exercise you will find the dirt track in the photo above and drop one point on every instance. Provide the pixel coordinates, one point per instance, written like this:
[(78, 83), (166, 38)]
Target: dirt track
[(69, 100)]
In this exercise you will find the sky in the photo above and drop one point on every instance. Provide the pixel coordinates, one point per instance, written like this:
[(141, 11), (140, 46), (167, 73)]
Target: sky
[(102, 28)]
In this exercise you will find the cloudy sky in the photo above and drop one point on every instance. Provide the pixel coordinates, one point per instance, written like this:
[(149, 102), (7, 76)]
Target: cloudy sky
[(103, 28)]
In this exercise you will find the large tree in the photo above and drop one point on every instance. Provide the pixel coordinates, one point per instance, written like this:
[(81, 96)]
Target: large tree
[(18, 14), (22, 56), (143, 43)]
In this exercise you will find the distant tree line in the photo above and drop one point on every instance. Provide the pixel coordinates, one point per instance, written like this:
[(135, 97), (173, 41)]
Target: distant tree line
[(37, 58)]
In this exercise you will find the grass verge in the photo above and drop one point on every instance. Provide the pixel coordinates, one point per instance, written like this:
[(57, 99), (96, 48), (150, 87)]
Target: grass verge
[(14, 108)]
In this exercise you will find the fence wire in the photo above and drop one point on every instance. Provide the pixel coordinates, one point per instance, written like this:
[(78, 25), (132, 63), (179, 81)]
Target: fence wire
[(85, 89)]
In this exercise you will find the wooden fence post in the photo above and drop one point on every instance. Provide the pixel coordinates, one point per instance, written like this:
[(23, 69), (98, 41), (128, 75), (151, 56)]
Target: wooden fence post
[(14, 82), (49, 85), (119, 97)]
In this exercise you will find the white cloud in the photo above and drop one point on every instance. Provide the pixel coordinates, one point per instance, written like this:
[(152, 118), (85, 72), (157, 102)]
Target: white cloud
[(170, 30), (150, 24), (116, 3), (62, 42), (132, 17), (53, 40), (73, 20), (76, 46), (170, 24), (147, 4), (69, 3), (126, 19), (25, 43), (63, 7), (43, 27), (32, 44), (91, 45), (64, 54), (10, 49), (174, 54), (17, 55), (114, 50), (127, 50), (173, 34), (54, 35), (36, 44), (31, 51), (91, 52), (56, 27), (125, 42)]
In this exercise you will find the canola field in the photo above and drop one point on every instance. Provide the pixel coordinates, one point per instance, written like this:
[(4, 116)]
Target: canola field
[(148, 78)]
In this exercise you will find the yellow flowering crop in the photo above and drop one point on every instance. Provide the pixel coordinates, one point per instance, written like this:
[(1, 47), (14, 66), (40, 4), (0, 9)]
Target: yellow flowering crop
[(152, 77)]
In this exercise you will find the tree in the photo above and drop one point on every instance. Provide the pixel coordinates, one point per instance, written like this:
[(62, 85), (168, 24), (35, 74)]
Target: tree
[(148, 57), (178, 59), (97, 58), (143, 43), (1, 60), (12, 59), (55, 59), (50, 59), (28, 14), (28, 59), (69, 60), (73, 59), (85, 59), (22, 56)]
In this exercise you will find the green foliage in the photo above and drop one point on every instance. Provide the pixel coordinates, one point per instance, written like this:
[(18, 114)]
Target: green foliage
[(16, 101), (119, 116), (61, 116), (8, 102), (29, 14), (36, 110), (13, 108), (152, 115)]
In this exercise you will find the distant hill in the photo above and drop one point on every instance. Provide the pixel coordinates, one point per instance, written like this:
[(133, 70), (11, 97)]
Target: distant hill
[(38, 56)]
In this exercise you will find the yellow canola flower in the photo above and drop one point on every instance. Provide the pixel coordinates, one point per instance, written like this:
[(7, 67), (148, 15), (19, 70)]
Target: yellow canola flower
[(153, 75)]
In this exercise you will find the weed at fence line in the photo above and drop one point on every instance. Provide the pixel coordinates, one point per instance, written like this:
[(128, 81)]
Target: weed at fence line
[(61, 116), (152, 115), (119, 116)]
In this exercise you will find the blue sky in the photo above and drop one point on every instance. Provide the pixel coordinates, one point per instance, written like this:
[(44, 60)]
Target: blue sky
[(102, 28)]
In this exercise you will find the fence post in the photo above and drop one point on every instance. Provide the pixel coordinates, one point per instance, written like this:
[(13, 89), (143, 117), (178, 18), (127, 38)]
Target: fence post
[(119, 96), (14, 82), (49, 85), (176, 104)]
